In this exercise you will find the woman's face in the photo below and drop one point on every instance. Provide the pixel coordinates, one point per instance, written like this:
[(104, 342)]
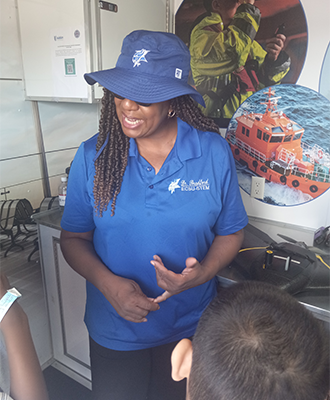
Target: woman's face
[(139, 121)]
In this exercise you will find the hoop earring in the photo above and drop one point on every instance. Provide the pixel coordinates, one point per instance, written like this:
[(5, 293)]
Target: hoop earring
[(171, 114)]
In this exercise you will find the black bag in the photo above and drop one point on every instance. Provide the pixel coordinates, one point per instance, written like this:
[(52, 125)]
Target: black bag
[(290, 266)]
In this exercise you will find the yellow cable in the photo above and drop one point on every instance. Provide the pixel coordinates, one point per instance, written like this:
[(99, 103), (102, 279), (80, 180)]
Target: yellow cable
[(253, 248), (322, 261)]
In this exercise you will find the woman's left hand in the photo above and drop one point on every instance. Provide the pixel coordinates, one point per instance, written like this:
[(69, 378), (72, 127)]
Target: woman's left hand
[(174, 283), (220, 254)]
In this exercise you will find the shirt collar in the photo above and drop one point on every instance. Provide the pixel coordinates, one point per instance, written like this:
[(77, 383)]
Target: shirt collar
[(187, 143)]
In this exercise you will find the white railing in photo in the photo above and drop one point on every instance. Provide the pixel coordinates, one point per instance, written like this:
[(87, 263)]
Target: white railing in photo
[(316, 154), (248, 149), (287, 156)]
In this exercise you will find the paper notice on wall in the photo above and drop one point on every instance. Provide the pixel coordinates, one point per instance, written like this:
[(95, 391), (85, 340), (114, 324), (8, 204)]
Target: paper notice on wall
[(69, 62)]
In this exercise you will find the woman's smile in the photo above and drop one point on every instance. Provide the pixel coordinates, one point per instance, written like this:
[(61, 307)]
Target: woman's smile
[(130, 122), (140, 121)]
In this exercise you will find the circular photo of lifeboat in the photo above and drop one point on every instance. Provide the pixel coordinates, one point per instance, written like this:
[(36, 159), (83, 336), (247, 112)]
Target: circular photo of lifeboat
[(281, 134)]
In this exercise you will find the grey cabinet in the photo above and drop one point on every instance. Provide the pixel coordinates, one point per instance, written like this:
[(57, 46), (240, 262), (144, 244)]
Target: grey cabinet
[(66, 298)]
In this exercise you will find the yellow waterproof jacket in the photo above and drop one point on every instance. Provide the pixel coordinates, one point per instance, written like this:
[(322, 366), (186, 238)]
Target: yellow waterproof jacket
[(221, 59)]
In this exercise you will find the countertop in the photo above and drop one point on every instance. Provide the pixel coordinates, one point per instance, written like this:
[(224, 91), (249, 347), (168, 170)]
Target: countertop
[(317, 301), (51, 218)]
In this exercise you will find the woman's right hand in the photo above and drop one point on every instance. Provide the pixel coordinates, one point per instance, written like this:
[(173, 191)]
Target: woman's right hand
[(125, 295), (127, 298)]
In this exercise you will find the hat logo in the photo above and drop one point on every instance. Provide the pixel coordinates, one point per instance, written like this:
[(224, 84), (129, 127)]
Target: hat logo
[(178, 73), (139, 56)]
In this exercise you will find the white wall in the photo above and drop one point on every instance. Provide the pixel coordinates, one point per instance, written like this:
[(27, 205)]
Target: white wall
[(315, 213)]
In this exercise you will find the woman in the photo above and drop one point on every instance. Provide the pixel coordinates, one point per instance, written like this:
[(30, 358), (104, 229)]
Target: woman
[(149, 188)]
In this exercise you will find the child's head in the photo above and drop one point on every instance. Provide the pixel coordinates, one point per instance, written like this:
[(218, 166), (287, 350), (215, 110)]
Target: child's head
[(255, 341)]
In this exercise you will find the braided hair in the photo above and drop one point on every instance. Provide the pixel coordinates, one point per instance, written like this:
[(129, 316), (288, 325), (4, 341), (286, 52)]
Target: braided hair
[(111, 163)]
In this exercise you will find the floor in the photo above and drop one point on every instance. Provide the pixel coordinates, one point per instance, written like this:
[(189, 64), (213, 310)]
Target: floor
[(61, 387), (26, 276)]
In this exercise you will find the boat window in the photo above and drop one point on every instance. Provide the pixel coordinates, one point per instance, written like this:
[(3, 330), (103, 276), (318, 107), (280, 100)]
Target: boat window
[(276, 139), (243, 130), (296, 127), (288, 138), (297, 136), (247, 132), (266, 137), (259, 133), (277, 129)]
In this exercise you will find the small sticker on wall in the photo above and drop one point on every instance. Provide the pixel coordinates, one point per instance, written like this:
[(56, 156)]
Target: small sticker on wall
[(70, 66)]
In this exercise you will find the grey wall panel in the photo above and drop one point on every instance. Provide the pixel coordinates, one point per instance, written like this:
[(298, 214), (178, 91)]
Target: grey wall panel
[(10, 53), (19, 170), (31, 190), (18, 136), (58, 161), (66, 125)]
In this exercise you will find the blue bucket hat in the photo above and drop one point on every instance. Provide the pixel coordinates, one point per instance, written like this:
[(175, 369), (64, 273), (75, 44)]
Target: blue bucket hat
[(152, 67)]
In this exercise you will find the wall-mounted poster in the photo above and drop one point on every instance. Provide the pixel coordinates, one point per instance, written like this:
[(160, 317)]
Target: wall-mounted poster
[(68, 57), (238, 48), (281, 133)]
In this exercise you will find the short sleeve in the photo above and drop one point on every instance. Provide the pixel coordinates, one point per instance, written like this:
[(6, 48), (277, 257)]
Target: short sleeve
[(232, 217), (78, 210)]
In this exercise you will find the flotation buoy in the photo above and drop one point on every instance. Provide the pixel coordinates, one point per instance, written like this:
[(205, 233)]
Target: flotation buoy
[(320, 154), (313, 188), (295, 183), (283, 179)]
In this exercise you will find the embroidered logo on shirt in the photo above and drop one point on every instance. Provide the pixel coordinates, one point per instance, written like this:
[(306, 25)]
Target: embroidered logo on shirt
[(192, 186), (140, 55), (174, 185)]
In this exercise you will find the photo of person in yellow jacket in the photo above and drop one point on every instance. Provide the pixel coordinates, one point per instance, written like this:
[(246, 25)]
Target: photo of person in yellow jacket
[(227, 64)]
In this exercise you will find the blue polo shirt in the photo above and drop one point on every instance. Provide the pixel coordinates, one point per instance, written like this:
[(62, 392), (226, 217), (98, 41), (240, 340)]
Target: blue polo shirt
[(175, 214)]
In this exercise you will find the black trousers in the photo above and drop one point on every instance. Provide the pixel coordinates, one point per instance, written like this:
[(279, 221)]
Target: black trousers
[(134, 375)]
